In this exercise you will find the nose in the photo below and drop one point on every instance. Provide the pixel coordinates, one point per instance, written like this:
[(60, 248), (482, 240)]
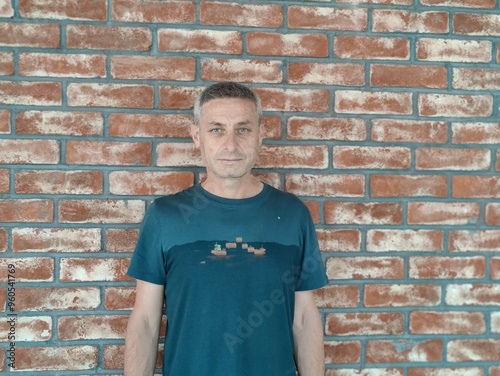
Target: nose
[(230, 141)]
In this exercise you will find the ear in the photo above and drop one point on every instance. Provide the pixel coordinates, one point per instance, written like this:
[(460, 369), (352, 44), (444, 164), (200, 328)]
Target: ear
[(195, 135), (261, 134)]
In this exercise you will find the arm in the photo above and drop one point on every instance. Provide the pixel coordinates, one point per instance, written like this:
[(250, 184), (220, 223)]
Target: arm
[(141, 342), (308, 336)]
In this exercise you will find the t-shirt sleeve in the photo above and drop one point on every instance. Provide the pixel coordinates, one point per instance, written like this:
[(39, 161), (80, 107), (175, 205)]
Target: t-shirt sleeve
[(147, 262), (312, 272)]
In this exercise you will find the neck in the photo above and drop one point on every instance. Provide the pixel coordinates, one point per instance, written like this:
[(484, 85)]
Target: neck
[(245, 187)]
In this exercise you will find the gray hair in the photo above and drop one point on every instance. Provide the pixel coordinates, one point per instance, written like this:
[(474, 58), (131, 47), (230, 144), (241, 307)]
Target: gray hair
[(225, 90)]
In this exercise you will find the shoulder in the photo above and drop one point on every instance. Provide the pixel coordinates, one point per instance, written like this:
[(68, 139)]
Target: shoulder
[(279, 197)]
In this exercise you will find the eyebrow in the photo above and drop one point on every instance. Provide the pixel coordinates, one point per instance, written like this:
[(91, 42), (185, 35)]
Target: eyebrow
[(244, 122)]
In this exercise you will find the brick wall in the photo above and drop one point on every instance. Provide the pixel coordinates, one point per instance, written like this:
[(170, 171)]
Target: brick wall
[(383, 115)]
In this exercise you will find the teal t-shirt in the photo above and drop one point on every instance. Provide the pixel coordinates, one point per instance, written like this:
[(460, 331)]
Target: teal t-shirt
[(230, 268)]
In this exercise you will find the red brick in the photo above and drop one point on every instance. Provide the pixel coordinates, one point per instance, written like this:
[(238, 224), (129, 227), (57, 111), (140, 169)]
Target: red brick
[(476, 24), (31, 93), (359, 102), (449, 213), (402, 295), (494, 371), (4, 121), (56, 240), (59, 182), (29, 269), (493, 214), (30, 35), (6, 11), (57, 298), (314, 208), (433, 267), (91, 327), (495, 322), (2, 357), (476, 79), (89, 10), (362, 47), (178, 155), (307, 45), (474, 241), (337, 296), (365, 371), (408, 185), (119, 298), (4, 241), (395, 130), (344, 19), (339, 240), (450, 105), (94, 269), (178, 97), (149, 125), (327, 185), (110, 95), (108, 153), (29, 151), (453, 159), (394, 20), (389, 2), (472, 294), (76, 123), (101, 211), (95, 37), (58, 65), (374, 213), (365, 267), (399, 351), (272, 127), (454, 50), (371, 157), (121, 240), (153, 68), (461, 3), (466, 186), (447, 323), (232, 14), (420, 76), (404, 240), (495, 268), (6, 63), (380, 323), (293, 156), (303, 100), (153, 11), (476, 133), (56, 358), (339, 352), (267, 71), (337, 74), (472, 350), (149, 182), (113, 357), (339, 129), (4, 181), (446, 371), (28, 329), (27, 210), (214, 41)]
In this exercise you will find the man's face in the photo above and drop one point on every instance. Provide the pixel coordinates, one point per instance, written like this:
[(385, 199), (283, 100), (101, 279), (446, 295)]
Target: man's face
[(228, 136)]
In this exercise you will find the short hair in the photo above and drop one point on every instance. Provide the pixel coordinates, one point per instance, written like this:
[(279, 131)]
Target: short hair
[(226, 90)]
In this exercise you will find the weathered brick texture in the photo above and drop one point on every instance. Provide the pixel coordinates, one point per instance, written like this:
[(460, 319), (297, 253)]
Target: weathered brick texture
[(382, 115)]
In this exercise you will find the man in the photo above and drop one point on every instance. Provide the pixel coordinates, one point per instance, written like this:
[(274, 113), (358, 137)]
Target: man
[(234, 259)]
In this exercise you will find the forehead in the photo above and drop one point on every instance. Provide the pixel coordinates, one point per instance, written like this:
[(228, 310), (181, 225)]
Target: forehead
[(229, 108)]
